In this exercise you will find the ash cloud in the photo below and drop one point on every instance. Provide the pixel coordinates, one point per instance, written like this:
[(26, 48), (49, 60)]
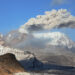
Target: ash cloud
[(51, 19)]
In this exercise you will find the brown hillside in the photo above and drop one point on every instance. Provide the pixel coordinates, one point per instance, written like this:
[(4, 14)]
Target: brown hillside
[(9, 65)]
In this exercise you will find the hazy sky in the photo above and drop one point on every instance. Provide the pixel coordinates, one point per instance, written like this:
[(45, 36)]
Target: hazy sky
[(14, 13)]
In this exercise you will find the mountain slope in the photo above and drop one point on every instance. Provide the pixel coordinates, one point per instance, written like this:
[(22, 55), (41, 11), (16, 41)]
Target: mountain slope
[(1, 39), (16, 39), (9, 65), (48, 62), (26, 58), (55, 39)]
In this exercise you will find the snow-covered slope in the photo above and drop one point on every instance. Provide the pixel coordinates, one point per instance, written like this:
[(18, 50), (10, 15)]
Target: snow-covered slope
[(21, 40), (20, 55), (22, 73), (55, 39)]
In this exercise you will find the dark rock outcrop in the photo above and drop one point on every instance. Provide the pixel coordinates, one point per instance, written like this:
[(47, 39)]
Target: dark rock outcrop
[(31, 63)]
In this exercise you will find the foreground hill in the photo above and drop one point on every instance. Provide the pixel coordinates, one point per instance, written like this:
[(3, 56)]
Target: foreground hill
[(9, 65)]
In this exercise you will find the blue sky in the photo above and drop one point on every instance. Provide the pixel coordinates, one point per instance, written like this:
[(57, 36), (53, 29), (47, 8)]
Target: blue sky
[(14, 13)]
